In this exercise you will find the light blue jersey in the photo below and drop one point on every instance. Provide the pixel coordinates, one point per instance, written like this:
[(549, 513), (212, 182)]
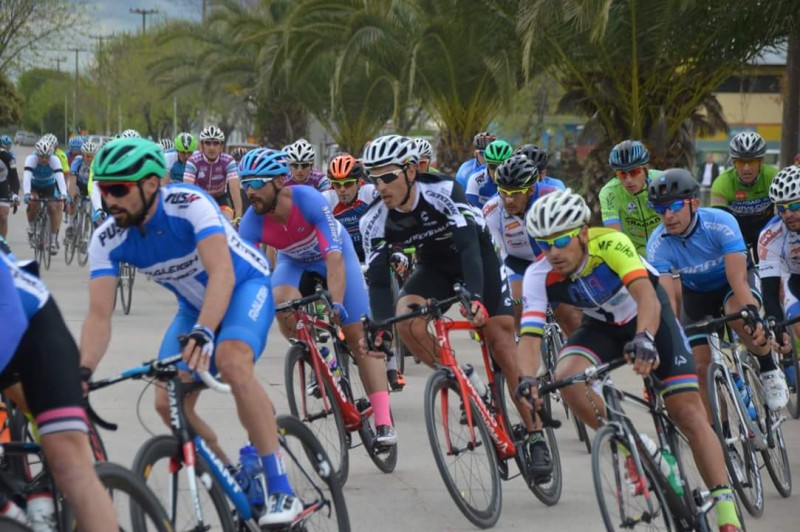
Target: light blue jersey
[(699, 257), (467, 169)]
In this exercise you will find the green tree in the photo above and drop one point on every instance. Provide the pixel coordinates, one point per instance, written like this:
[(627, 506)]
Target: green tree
[(645, 69), (11, 108), (44, 91)]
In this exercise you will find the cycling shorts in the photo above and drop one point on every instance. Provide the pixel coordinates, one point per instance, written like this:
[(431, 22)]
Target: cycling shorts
[(515, 267), (83, 189), (47, 191), (289, 272), (46, 363), (5, 193), (600, 342), (247, 320)]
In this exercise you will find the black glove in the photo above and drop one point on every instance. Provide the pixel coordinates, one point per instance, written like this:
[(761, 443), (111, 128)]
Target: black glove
[(525, 390), (203, 338), (642, 347)]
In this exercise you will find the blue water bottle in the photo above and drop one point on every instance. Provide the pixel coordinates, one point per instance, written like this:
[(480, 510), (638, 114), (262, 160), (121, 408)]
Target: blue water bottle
[(744, 391), (250, 475)]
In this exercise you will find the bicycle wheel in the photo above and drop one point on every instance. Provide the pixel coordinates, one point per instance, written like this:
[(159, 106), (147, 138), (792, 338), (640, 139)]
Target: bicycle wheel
[(791, 367), (125, 285), (96, 444), (85, 237), (45, 238), (400, 349), (548, 492), (775, 456), (70, 244), (385, 458), (468, 468), (624, 504), (307, 403), (137, 508), (159, 463), (732, 431), (311, 476)]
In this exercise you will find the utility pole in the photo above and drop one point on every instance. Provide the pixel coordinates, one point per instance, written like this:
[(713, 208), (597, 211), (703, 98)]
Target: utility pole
[(58, 61), (101, 63), (143, 13)]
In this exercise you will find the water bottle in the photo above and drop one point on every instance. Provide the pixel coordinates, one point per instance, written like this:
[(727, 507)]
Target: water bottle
[(665, 461), (674, 477), (477, 383), (42, 512), (251, 475), (744, 392), (330, 360)]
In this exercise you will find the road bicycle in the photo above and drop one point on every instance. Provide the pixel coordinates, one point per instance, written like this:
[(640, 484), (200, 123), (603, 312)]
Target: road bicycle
[(127, 274), (472, 437), (196, 487), (326, 392), (82, 228), (40, 242), (790, 364)]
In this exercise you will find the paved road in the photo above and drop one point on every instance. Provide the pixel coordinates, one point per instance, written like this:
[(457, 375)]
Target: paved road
[(411, 498)]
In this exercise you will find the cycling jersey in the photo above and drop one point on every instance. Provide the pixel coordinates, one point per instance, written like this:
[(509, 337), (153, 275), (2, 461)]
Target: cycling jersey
[(30, 290), (210, 176), (175, 166), (62, 157), (80, 170), (316, 179), (699, 256), (508, 230), (14, 320), (553, 182), (40, 176), (779, 265), (9, 179), (165, 248), (467, 169), (631, 212), (349, 215), (599, 287), (480, 188), (749, 204), (441, 226)]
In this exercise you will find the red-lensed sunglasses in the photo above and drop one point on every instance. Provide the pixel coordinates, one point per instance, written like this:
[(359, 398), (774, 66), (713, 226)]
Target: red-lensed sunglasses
[(118, 190)]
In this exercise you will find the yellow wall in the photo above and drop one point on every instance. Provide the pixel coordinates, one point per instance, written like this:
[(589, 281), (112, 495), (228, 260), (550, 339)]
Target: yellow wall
[(744, 108)]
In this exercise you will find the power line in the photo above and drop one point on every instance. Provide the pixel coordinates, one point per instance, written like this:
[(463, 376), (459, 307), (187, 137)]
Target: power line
[(143, 13)]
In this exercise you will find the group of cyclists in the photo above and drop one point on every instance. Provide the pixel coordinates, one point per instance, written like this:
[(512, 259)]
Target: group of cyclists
[(518, 240)]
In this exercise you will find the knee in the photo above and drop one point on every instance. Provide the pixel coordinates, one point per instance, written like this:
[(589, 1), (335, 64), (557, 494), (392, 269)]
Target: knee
[(235, 365), (688, 412)]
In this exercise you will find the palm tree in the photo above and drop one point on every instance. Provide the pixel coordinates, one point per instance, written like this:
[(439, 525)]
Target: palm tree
[(644, 69)]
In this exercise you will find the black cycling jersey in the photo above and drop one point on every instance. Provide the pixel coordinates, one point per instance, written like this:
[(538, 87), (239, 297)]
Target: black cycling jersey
[(9, 179), (442, 226)]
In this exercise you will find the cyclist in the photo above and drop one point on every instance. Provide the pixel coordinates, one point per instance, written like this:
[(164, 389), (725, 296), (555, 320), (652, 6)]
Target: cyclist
[(299, 224), (479, 142), (779, 260), (39, 351), (177, 236), (705, 246), (9, 183), (62, 157), (238, 152), (167, 145), (625, 308), (75, 144), (215, 172), (43, 177), (480, 185), (350, 197), (430, 212), (185, 146), (6, 144), (539, 157), (425, 151), (623, 200), (744, 188), (79, 185), (301, 155)]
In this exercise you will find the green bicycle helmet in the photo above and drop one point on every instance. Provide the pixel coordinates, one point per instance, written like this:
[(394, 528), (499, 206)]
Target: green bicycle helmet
[(497, 152), (129, 159), (185, 142)]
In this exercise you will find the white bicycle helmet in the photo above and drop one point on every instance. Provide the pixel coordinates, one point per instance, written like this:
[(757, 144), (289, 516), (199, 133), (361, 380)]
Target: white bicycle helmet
[(747, 145), (556, 212), (785, 186), (300, 151), (167, 144), (51, 139), (391, 149), (43, 147), (212, 133), (424, 148), (89, 148), (130, 134)]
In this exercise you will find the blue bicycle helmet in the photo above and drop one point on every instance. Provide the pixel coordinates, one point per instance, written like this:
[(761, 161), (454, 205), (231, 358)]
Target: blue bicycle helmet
[(627, 155), (6, 141), (75, 143), (263, 163)]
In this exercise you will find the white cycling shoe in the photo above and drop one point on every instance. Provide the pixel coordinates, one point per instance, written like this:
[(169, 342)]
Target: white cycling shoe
[(775, 389), (282, 509)]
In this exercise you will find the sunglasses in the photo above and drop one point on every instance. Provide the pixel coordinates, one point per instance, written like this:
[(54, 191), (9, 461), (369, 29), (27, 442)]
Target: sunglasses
[(792, 207), (300, 165), (387, 177), (212, 142), (343, 184), (507, 192), (633, 172), (559, 242), (672, 206), (116, 190), (741, 163), (256, 183)]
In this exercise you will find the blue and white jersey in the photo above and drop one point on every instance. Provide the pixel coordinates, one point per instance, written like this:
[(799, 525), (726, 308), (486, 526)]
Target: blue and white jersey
[(699, 257), (467, 169), (165, 249), (43, 175), (480, 188), (31, 291), (553, 182), (80, 170)]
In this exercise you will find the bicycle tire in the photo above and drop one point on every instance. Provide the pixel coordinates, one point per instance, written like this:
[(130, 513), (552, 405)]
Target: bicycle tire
[(775, 456), (793, 406), (400, 349), (18, 431), (125, 285), (606, 440), (290, 427), (441, 385), (12, 525), (336, 441), (166, 447), (85, 237), (46, 234), (69, 245), (146, 514), (743, 469)]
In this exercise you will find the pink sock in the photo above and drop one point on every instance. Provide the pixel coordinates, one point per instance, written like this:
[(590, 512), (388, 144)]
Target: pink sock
[(380, 406)]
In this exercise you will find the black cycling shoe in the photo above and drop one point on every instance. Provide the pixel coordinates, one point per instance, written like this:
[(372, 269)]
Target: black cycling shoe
[(541, 465), (396, 380)]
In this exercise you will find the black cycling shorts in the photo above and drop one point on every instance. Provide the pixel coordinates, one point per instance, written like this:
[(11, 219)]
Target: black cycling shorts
[(46, 363), (599, 342), (48, 191), (5, 192)]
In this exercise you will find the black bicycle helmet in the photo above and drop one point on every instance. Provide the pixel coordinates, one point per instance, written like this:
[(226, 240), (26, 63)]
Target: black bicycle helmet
[(536, 155), (672, 184), (627, 155), (516, 172)]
